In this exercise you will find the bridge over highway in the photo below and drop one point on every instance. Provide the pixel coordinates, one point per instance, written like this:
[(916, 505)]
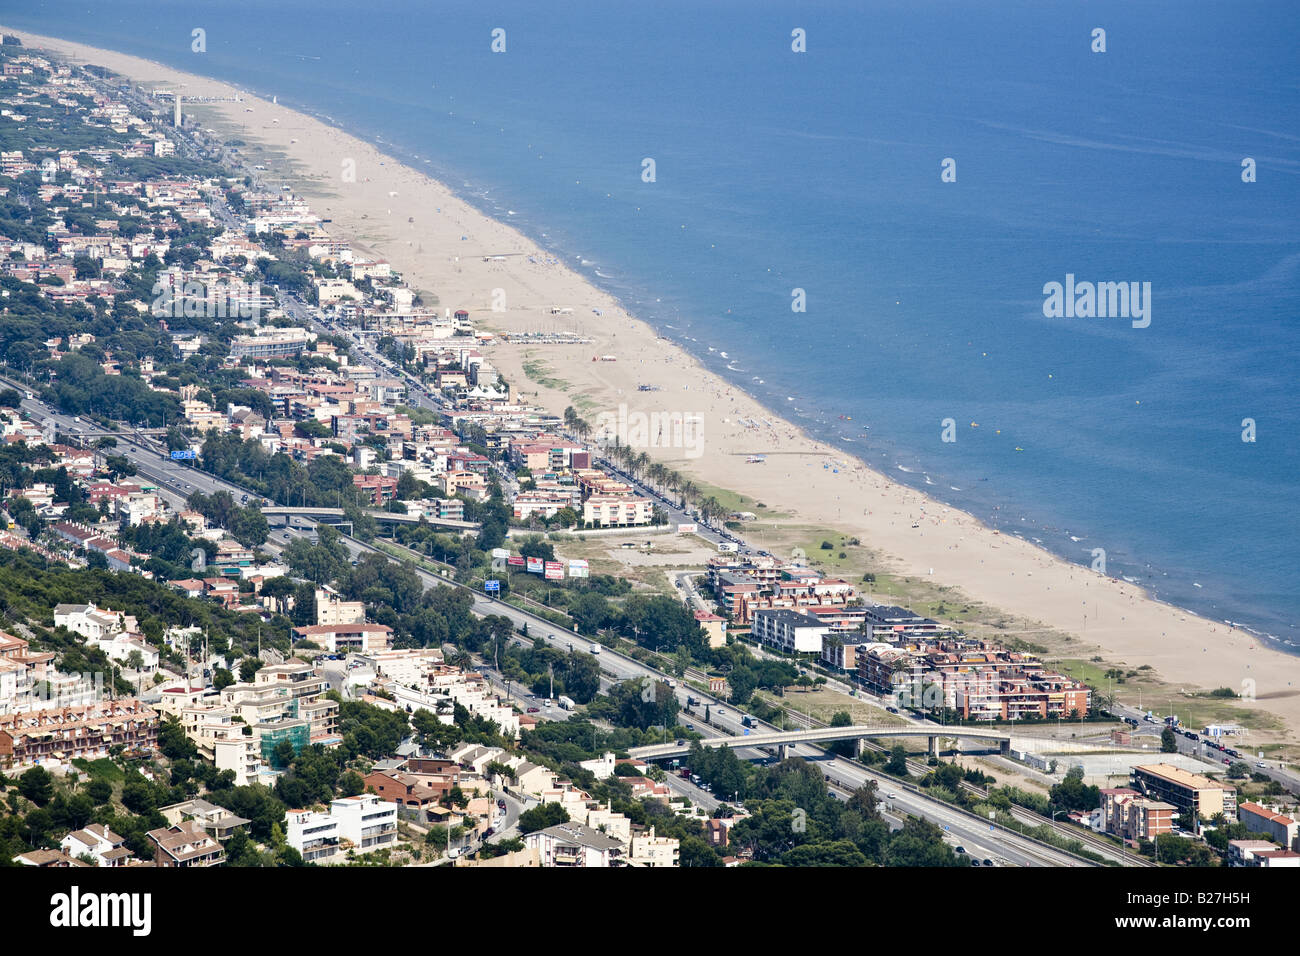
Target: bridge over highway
[(783, 739), (277, 511)]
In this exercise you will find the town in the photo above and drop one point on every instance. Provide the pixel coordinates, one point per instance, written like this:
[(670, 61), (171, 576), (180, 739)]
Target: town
[(291, 575)]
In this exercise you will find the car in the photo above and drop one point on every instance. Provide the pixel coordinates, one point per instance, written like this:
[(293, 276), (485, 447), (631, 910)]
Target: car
[(690, 726), (1261, 765), (533, 710), (988, 862), (1227, 760), (501, 804), (892, 796), (488, 832), (546, 703), (959, 849), (974, 862), (680, 742)]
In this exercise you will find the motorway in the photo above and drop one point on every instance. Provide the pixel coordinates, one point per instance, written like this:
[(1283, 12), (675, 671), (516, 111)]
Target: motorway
[(179, 480)]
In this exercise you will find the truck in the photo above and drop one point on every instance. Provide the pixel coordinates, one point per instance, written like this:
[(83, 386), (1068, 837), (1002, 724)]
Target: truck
[(595, 648), (747, 721), (566, 702)]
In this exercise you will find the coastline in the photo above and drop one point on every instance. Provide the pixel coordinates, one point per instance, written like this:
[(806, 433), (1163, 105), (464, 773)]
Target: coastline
[(418, 223)]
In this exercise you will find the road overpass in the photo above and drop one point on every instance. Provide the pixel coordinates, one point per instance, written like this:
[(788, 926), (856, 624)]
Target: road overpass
[(784, 739), (277, 511)]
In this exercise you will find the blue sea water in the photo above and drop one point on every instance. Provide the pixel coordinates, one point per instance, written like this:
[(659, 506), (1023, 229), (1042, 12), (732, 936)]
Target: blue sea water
[(778, 170)]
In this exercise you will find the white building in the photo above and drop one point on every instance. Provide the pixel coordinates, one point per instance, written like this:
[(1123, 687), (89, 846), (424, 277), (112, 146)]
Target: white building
[(91, 622), (650, 850), (120, 647), (789, 631), (365, 820), (99, 843), (576, 845), (313, 835)]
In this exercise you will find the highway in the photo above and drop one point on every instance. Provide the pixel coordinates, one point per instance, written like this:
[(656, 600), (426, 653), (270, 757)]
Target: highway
[(178, 480)]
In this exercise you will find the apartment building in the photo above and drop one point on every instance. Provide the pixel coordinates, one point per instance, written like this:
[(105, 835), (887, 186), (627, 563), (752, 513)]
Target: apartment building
[(332, 609), (606, 511), (1280, 827), (314, 835), (1129, 815), (647, 849), (365, 820), (345, 638), (714, 628), (789, 631), (1262, 854), (1189, 792), (576, 845), (65, 733)]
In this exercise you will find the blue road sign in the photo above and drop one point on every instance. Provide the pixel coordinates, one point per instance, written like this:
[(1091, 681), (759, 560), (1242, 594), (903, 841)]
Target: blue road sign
[(493, 585), (183, 453)]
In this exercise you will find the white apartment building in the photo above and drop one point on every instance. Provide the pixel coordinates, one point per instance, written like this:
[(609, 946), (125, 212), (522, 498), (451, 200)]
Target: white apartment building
[(314, 835), (365, 820), (650, 850), (789, 631)]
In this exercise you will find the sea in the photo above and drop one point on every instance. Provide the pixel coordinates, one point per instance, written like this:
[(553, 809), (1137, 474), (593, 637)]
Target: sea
[(862, 204)]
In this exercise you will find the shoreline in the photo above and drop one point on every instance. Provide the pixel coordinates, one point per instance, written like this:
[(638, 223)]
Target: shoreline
[(885, 514)]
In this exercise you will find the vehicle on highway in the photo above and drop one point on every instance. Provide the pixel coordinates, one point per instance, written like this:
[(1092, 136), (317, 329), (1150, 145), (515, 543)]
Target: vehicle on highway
[(988, 862), (533, 710), (680, 742), (1261, 765), (892, 796), (595, 648), (489, 832), (959, 849), (690, 726), (747, 721), (501, 804)]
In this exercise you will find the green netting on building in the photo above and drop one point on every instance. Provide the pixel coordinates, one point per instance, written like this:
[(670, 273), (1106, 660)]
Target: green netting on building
[(299, 735)]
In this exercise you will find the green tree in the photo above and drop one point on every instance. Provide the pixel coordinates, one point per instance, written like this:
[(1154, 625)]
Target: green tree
[(1168, 742), (541, 817), (897, 763), (37, 786)]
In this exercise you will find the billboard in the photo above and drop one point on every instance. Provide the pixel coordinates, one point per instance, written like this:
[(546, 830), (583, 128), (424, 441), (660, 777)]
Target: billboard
[(555, 570), (578, 569), (515, 560), (687, 528), (536, 565)]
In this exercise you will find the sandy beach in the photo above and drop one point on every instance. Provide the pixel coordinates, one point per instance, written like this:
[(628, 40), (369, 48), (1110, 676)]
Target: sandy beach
[(439, 243)]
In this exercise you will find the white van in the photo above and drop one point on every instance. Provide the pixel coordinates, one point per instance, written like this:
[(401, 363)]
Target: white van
[(595, 648)]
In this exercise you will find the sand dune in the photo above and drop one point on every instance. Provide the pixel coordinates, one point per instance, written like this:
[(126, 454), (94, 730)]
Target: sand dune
[(441, 250)]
